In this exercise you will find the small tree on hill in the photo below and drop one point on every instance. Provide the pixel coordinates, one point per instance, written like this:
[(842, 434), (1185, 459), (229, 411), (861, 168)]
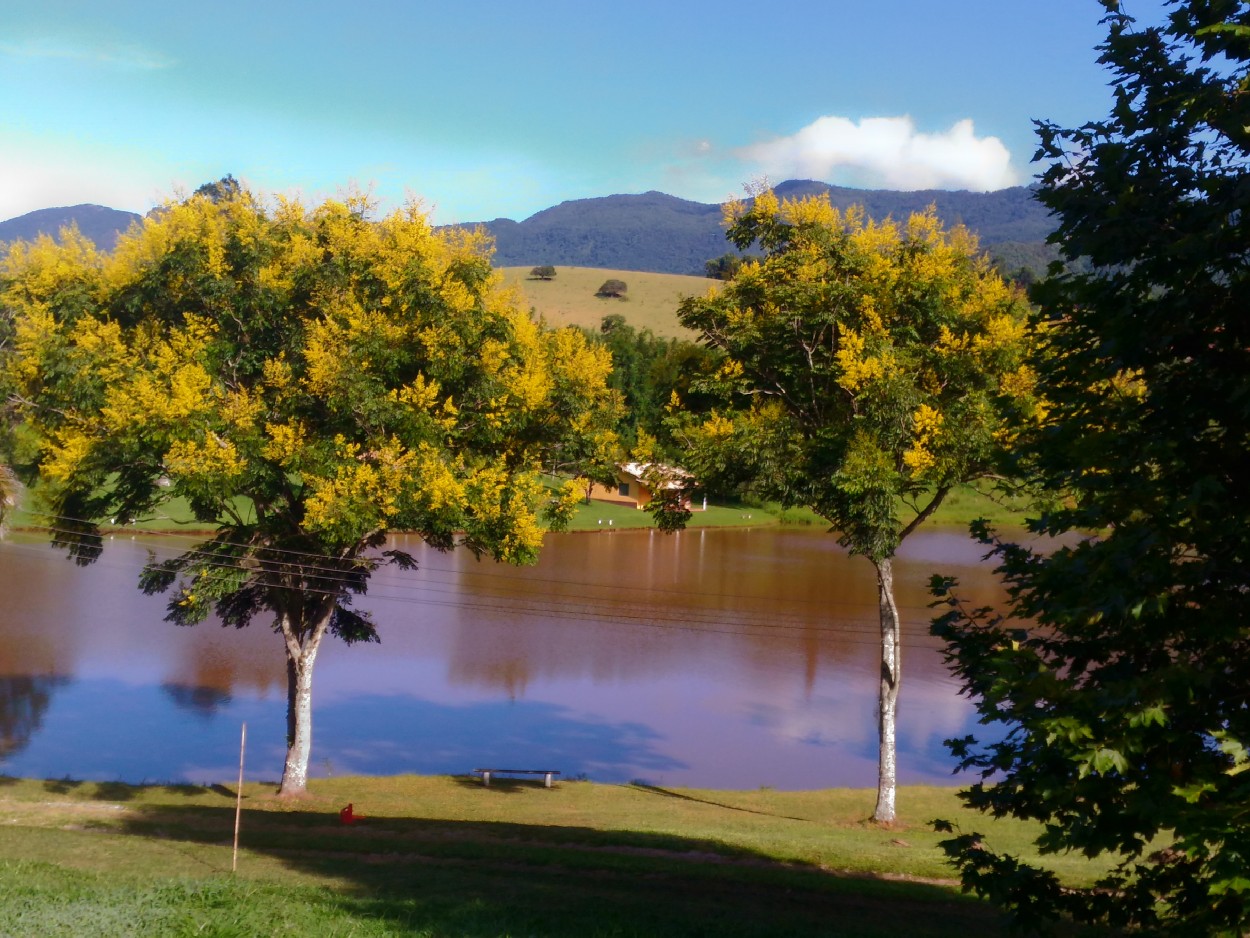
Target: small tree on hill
[(544, 272), (612, 288)]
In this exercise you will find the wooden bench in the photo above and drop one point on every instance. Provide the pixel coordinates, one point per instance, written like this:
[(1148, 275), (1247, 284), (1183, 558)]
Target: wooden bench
[(547, 774)]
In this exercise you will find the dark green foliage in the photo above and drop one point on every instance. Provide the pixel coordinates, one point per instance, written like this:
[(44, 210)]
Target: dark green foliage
[(726, 266), (1126, 707), (543, 272), (1023, 262), (613, 288), (669, 504), (648, 370), (224, 189)]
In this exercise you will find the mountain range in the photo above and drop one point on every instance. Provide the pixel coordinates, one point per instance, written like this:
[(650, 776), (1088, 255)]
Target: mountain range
[(662, 233)]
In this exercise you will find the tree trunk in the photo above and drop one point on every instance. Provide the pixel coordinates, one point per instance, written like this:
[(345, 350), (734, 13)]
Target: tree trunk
[(888, 698), (300, 658)]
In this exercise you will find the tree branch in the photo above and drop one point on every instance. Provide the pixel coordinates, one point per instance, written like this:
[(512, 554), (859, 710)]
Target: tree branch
[(928, 509)]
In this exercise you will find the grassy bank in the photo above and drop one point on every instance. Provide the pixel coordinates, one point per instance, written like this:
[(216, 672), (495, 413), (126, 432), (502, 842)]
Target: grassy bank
[(963, 505), (445, 856), (569, 298)]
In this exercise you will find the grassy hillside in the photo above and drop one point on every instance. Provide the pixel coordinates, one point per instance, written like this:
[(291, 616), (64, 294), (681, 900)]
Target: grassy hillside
[(569, 299), (445, 856)]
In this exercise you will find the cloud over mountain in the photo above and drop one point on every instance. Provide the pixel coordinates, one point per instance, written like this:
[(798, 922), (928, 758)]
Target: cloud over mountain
[(886, 152)]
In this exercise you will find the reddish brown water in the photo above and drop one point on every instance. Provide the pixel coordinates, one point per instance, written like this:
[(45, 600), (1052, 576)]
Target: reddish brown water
[(721, 658)]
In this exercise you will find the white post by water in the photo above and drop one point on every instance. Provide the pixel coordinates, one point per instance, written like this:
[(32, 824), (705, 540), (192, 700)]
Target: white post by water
[(238, 802)]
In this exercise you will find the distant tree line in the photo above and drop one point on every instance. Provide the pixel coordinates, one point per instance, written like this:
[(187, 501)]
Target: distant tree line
[(727, 265), (647, 370)]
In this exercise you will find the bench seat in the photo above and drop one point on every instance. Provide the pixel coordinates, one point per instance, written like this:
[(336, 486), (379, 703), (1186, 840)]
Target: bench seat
[(548, 774)]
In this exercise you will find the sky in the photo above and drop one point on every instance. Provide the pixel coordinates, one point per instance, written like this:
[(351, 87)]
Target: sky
[(483, 109)]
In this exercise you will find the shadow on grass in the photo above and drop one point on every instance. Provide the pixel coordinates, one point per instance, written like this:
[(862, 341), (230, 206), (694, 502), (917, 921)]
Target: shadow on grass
[(488, 878), (121, 791), (99, 791), (505, 785), (656, 790)]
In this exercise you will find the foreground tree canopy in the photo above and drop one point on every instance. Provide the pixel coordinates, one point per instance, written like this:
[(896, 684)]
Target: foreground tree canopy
[(1124, 713), (870, 367), (308, 380)]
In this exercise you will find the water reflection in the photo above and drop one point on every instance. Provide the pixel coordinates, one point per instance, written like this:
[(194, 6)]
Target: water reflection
[(711, 658), (23, 701), (198, 699)]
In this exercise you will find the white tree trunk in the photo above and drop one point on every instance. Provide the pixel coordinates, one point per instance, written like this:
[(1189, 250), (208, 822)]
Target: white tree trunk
[(888, 698), (300, 659)]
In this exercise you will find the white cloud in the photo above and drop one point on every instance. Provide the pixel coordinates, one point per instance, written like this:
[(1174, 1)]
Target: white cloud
[(113, 55), (886, 152)]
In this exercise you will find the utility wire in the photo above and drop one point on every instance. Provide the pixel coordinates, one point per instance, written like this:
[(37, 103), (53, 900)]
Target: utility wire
[(341, 582), (739, 624), (576, 607), (336, 572)]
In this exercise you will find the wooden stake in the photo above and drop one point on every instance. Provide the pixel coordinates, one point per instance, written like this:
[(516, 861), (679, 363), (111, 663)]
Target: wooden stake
[(238, 803)]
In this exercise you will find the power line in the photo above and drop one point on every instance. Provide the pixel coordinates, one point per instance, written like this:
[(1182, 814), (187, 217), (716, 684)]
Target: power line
[(578, 607), (739, 624), (633, 590), (340, 583), (338, 577)]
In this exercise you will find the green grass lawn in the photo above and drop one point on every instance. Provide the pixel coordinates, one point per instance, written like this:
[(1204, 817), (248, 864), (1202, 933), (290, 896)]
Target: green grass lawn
[(569, 299), (606, 516), (962, 506), (445, 856)]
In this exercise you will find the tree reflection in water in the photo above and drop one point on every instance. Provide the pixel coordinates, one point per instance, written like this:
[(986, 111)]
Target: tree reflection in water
[(726, 659), (24, 699), (203, 701)]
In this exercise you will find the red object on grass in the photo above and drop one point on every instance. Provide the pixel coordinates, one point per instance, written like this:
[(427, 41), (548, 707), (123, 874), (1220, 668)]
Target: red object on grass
[(349, 816)]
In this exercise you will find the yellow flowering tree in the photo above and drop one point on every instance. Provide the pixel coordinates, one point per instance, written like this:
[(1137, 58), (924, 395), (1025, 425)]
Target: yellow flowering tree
[(870, 368), (309, 380)]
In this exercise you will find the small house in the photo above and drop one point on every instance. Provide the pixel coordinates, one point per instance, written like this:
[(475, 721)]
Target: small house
[(634, 481)]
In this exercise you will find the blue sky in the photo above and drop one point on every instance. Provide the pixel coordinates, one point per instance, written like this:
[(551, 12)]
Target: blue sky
[(486, 108)]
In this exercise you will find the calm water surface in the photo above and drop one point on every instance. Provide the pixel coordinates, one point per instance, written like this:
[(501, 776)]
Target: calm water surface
[(721, 658)]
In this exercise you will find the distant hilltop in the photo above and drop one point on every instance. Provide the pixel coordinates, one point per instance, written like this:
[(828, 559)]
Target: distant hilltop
[(102, 225), (662, 233)]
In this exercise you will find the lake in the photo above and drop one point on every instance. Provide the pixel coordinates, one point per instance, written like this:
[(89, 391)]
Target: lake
[(729, 658)]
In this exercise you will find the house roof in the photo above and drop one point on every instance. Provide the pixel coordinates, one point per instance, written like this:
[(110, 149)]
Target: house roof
[(675, 477)]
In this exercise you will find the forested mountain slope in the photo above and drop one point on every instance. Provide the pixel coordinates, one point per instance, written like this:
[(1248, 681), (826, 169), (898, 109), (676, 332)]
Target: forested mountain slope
[(661, 233)]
